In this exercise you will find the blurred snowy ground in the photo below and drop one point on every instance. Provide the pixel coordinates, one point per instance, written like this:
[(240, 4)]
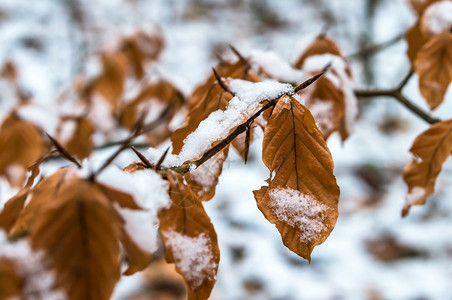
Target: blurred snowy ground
[(372, 253)]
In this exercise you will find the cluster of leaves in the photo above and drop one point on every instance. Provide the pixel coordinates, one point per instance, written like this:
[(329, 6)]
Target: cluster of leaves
[(78, 222), (430, 53)]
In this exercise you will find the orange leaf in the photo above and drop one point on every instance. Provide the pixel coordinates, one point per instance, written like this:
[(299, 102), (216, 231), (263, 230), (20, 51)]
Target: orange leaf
[(415, 42), (14, 206), (137, 258), (302, 195), (433, 65), (321, 45), (11, 282), (79, 231), (81, 142), (430, 149), (190, 239), (110, 84), (21, 144)]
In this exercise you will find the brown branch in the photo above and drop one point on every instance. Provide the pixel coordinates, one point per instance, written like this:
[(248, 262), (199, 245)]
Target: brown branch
[(375, 48), (63, 152), (221, 83)]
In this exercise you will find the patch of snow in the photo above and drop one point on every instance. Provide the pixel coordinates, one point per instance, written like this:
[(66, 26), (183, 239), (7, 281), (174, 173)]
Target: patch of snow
[(37, 279), (205, 175), (66, 131), (300, 211), (42, 117), (193, 257), (415, 195), (323, 114), (438, 17), (276, 67), (248, 96), (150, 192)]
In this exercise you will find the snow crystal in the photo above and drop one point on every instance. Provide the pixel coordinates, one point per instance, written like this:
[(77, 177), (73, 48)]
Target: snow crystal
[(415, 195), (276, 67), (338, 76), (248, 96), (150, 192), (438, 17), (193, 257), (38, 281), (299, 211)]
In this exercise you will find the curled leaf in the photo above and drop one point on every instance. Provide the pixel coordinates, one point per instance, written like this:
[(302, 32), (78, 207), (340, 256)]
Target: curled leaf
[(430, 150), (302, 195)]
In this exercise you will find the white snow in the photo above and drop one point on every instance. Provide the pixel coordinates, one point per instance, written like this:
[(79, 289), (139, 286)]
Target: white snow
[(323, 113), (37, 280), (248, 96), (338, 76), (150, 192), (193, 257), (277, 68), (43, 117), (300, 211), (415, 195), (437, 17), (205, 175), (66, 131)]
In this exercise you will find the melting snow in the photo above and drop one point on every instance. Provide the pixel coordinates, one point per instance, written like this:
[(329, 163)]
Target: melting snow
[(193, 257), (300, 211), (438, 17), (38, 281), (415, 195), (150, 192), (248, 96)]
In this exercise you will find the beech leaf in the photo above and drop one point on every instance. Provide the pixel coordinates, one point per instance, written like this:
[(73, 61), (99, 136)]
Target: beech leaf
[(430, 150), (79, 231), (302, 195), (190, 239), (433, 65)]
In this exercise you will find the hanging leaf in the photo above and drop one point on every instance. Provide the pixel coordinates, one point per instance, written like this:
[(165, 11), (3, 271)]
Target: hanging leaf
[(137, 258), (331, 99), (80, 143), (11, 282), (190, 239), (110, 84), (204, 179), (433, 65), (14, 206), (302, 195), (78, 229), (21, 144), (208, 98), (430, 150), (420, 5), (415, 42), (321, 45)]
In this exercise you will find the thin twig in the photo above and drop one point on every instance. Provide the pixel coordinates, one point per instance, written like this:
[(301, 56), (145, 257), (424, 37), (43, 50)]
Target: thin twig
[(63, 152), (221, 83), (375, 48), (143, 158)]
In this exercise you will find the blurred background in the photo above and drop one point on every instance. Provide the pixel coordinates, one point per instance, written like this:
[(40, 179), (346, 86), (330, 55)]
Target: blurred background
[(372, 253)]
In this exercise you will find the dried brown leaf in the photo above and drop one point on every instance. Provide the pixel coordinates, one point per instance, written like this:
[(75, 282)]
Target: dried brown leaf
[(81, 143), (415, 42), (430, 150), (11, 282), (190, 239), (137, 259), (14, 206), (433, 65), (321, 45), (21, 144), (78, 229), (110, 84), (302, 195)]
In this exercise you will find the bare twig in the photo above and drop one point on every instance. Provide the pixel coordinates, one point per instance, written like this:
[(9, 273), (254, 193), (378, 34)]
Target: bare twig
[(221, 83), (63, 152), (311, 80), (375, 48), (396, 93), (159, 163)]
